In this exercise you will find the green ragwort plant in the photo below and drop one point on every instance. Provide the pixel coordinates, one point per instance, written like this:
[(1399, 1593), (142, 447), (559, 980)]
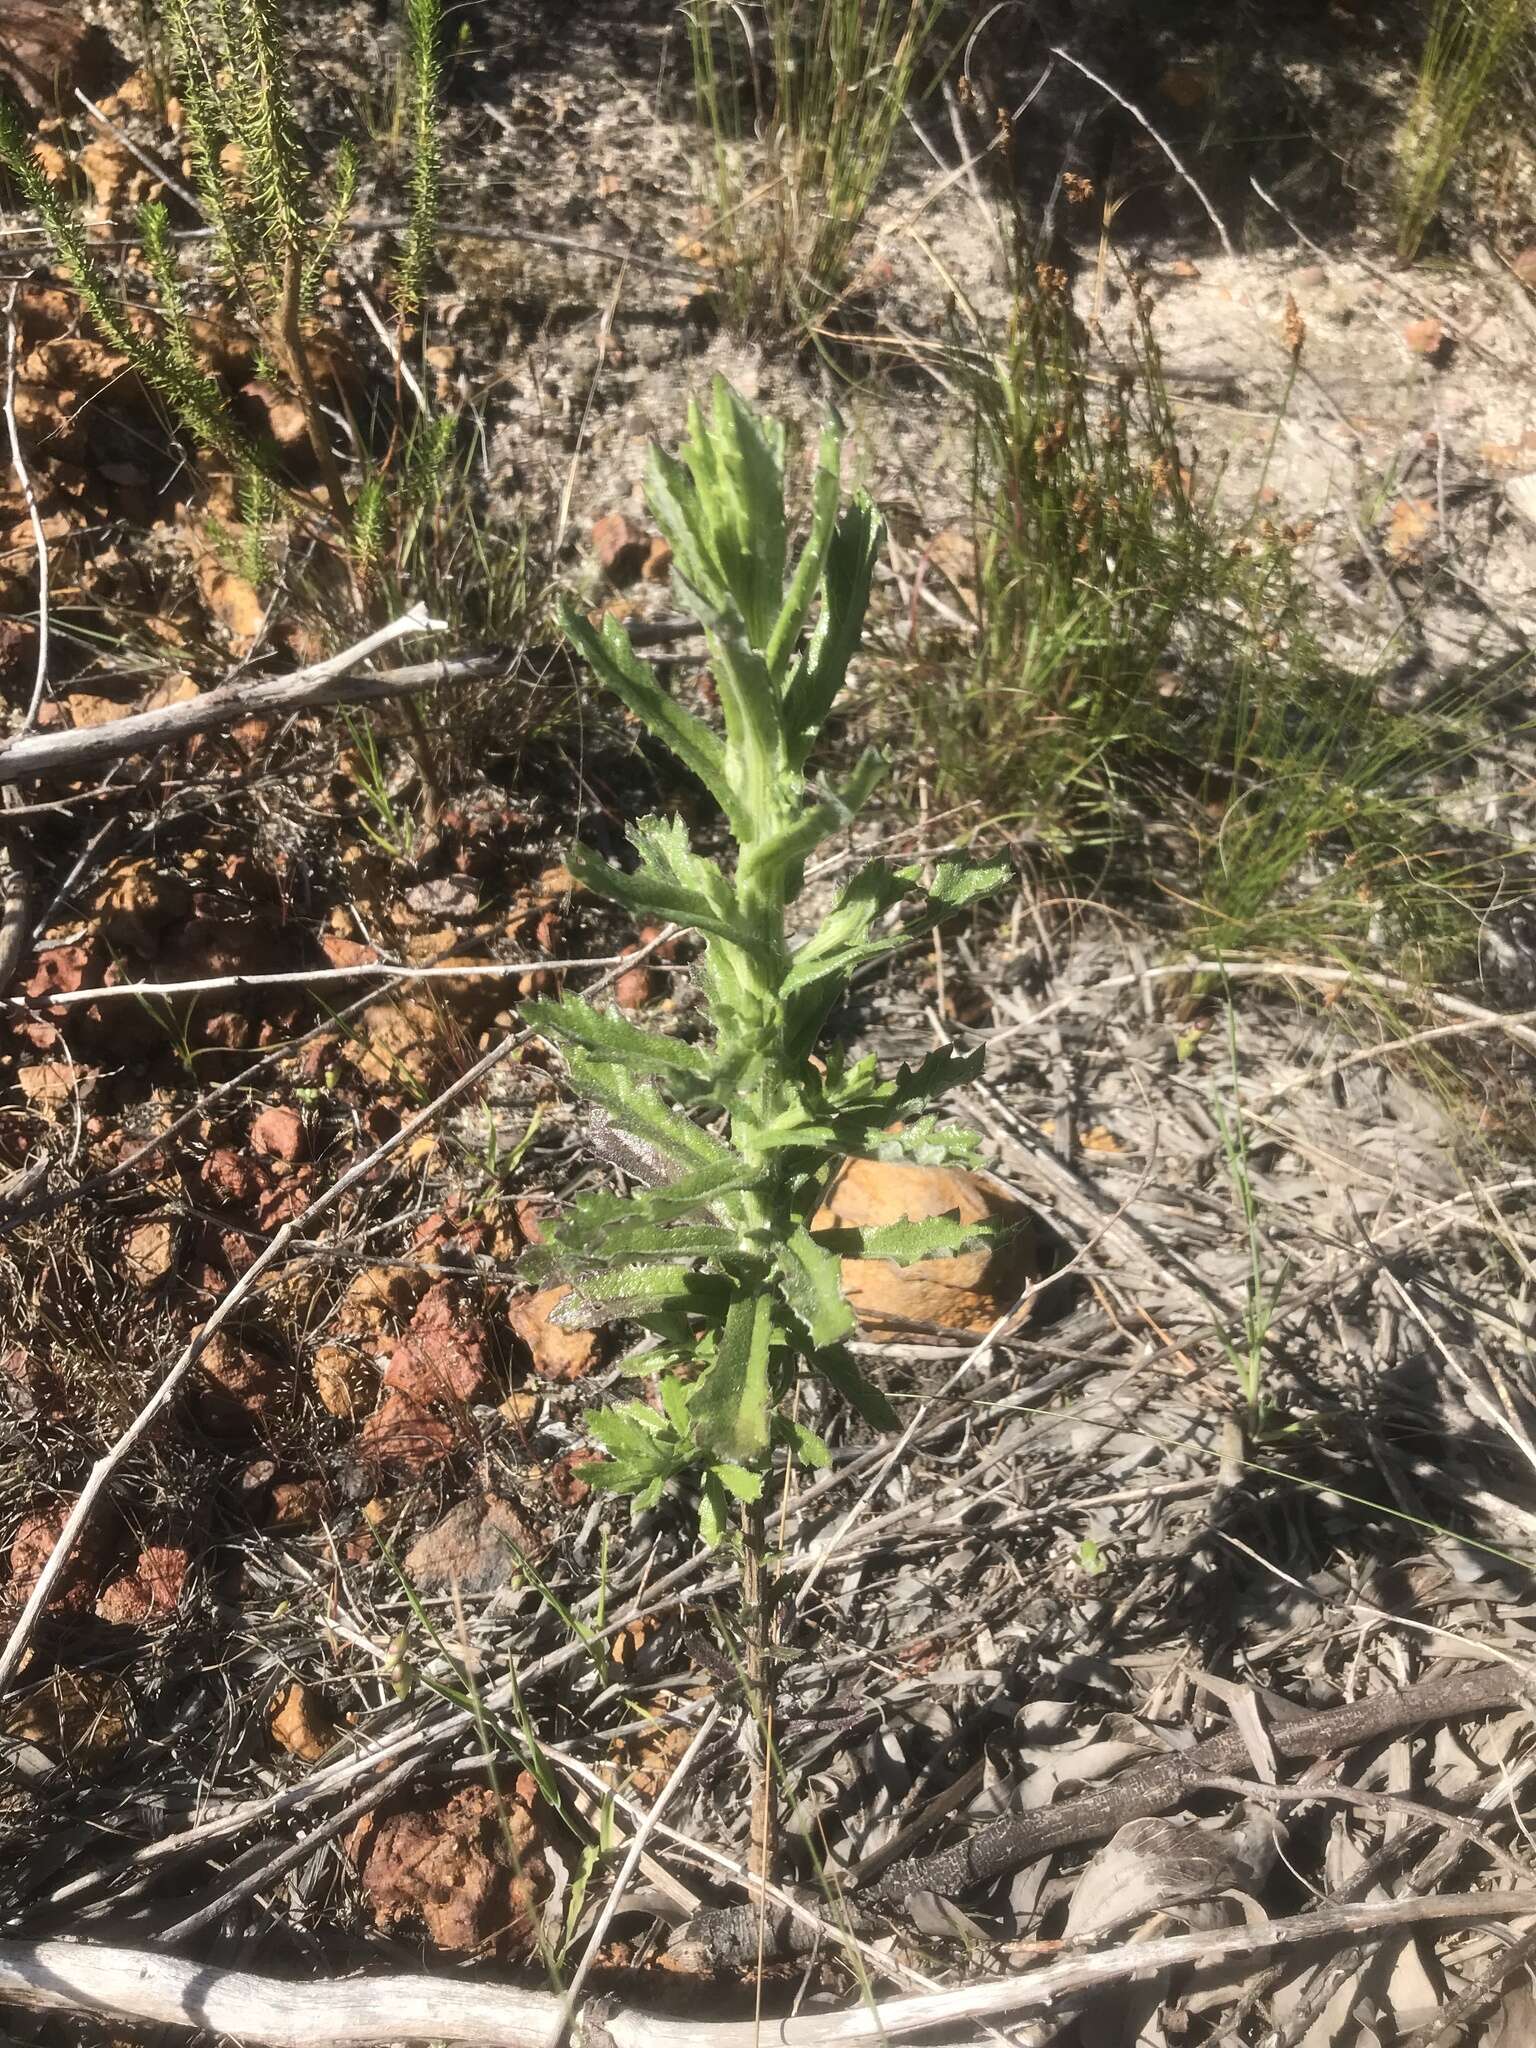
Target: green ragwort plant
[(734, 1137), (738, 1135)]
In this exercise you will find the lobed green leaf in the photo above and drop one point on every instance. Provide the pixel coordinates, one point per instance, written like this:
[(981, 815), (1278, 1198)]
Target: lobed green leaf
[(639, 1291), (570, 1021), (904, 1244), (613, 660)]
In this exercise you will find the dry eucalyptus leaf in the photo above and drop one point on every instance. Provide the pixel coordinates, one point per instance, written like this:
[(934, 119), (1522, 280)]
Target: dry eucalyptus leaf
[(1158, 1863)]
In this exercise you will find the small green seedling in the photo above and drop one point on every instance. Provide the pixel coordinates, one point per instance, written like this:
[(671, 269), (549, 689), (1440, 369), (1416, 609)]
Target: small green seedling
[(734, 1137), (1090, 1557), (737, 1135)]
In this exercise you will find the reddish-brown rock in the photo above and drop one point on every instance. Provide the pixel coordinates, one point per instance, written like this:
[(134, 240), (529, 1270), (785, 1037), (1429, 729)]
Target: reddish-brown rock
[(469, 1870), (278, 1133), (239, 1385), (477, 1546), (151, 1592), (444, 1355), (622, 548), (404, 1435)]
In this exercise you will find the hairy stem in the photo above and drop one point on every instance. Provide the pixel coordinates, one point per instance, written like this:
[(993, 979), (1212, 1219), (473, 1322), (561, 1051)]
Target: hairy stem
[(757, 1618)]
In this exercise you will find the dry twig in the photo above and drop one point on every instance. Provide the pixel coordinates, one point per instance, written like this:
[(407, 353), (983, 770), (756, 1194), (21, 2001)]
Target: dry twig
[(71, 750), (137, 1984), (1157, 1786)]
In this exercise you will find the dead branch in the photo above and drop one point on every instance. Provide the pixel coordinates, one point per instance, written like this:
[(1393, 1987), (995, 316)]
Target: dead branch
[(321, 977), (15, 861), (70, 751), (73, 751), (1157, 1786), (139, 1984)]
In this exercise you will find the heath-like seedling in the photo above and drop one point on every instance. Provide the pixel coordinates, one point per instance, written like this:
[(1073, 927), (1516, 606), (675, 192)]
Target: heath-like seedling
[(735, 1135)]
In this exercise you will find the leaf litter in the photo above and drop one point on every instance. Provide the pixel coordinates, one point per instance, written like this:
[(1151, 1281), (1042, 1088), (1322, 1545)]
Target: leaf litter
[(1090, 1556)]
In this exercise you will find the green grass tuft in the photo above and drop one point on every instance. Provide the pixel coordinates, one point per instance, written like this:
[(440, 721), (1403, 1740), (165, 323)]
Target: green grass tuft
[(1468, 69), (821, 96)]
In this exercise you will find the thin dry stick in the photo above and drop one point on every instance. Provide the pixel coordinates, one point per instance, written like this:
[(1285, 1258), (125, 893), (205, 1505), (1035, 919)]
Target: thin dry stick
[(288, 335), (759, 1689), (1471, 1832), (318, 977), (137, 1984), (391, 341), (1163, 144), (1474, 2002), (34, 517), (324, 682), (68, 752), (630, 1864), (15, 865), (108, 1463)]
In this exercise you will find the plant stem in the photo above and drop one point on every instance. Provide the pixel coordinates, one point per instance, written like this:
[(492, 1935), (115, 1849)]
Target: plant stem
[(295, 355), (757, 1615), (426, 762)]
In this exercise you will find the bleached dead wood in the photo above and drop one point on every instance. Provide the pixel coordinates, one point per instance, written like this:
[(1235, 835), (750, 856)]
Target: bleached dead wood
[(70, 751), (335, 681), (356, 2012)]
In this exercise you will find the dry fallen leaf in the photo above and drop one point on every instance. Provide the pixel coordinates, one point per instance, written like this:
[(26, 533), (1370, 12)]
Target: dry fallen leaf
[(301, 1725), (53, 1085), (31, 1547), (558, 1353), (278, 1133), (1409, 525), (46, 48), (952, 551)]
